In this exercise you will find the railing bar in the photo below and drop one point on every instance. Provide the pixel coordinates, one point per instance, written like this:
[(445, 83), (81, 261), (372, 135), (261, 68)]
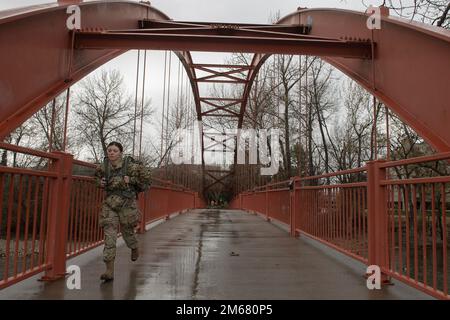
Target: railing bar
[(18, 221), (400, 230), (407, 236), (27, 224), (8, 226), (424, 236), (416, 252), (392, 216), (433, 225), (42, 227), (33, 243), (444, 239)]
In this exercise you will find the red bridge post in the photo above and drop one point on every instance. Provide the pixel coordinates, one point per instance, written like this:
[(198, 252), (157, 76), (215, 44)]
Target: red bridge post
[(59, 204), (377, 217)]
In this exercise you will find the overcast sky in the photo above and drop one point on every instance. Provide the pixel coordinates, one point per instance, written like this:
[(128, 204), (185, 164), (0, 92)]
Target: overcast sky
[(224, 10), (240, 11)]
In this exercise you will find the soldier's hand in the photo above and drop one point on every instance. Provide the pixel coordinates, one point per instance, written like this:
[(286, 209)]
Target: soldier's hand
[(103, 182), (126, 179)]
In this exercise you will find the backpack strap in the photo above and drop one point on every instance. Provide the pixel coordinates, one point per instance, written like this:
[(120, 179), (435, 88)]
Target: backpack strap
[(106, 168), (124, 172), (124, 168)]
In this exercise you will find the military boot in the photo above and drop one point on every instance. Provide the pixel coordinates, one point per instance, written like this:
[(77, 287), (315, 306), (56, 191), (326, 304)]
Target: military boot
[(109, 273), (134, 254)]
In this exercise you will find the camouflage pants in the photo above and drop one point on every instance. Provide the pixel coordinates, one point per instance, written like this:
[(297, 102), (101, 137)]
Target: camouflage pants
[(118, 211)]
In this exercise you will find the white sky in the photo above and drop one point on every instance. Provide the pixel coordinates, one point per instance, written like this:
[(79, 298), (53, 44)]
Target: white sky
[(239, 11)]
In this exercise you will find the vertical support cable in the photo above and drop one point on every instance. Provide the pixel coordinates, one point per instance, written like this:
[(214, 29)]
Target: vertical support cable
[(66, 116), (164, 104), (69, 78), (307, 115), (136, 102), (179, 117), (187, 119), (374, 100), (167, 110), (374, 129), (142, 104), (388, 141), (185, 116), (193, 143), (52, 127), (70, 60), (277, 78), (300, 116)]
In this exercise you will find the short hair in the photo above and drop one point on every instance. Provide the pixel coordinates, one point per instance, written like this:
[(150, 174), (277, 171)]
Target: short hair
[(117, 144)]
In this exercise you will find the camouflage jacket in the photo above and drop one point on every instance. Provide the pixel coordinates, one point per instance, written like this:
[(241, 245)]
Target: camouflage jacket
[(138, 178)]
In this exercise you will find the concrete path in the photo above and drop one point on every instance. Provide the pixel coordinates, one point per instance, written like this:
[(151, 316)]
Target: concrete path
[(217, 254)]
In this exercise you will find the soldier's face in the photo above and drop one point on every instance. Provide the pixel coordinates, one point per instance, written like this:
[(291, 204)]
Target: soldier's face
[(113, 153)]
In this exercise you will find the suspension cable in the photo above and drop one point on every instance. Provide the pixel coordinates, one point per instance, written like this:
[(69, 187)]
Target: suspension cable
[(164, 104), (52, 127), (186, 123), (388, 141), (307, 124), (66, 116), (136, 102), (374, 101), (167, 110), (142, 104), (178, 118), (300, 116), (193, 118)]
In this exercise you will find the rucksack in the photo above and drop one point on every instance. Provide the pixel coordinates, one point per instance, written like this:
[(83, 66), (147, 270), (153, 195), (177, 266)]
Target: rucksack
[(144, 174)]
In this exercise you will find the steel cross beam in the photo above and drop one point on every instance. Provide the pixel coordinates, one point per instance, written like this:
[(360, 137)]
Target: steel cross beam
[(222, 43), (216, 142), (214, 74), (160, 24), (223, 37), (217, 180), (220, 107)]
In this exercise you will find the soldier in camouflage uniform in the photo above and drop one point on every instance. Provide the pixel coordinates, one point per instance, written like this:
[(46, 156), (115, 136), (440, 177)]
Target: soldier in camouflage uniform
[(119, 206)]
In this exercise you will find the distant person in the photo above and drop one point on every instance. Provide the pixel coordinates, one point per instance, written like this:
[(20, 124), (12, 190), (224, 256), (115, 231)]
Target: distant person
[(122, 178)]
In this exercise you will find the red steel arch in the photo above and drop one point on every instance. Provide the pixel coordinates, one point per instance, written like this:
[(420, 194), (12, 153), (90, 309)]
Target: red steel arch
[(410, 69), (43, 64), (409, 72)]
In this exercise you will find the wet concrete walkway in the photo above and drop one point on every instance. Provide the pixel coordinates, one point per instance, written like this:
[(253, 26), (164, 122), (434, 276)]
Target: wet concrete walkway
[(217, 254)]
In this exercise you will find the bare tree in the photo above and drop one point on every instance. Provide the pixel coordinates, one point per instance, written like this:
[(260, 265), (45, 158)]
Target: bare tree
[(104, 112)]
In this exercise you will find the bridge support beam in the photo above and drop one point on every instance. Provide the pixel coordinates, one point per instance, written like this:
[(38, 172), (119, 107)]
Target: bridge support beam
[(59, 202), (377, 218)]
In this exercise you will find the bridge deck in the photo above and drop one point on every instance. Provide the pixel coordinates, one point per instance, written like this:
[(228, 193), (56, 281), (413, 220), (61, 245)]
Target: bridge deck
[(218, 254)]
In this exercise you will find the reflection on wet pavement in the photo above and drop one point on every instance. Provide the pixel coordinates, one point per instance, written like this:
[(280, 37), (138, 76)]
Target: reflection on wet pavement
[(217, 254)]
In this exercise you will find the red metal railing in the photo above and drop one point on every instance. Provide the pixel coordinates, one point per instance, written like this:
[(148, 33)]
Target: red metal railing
[(24, 216), (172, 198), (397, 224), (49, 214), (334, 212), (86, 199), (417, 214)]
